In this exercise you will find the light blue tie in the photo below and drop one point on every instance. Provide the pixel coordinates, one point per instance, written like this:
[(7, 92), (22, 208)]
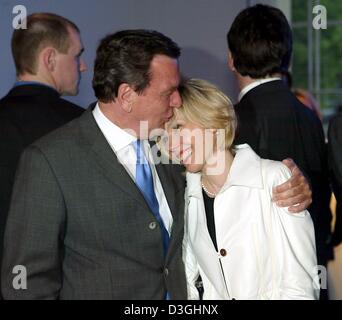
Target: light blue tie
[(144, 181)]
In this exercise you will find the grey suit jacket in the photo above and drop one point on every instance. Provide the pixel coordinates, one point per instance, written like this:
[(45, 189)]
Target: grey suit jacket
[(81, 227)]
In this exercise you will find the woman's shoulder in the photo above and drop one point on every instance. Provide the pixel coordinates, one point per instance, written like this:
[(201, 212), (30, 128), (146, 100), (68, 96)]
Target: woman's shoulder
[(274, 172)]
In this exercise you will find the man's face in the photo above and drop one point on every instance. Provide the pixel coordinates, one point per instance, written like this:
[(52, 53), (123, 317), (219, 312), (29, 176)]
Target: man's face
[(69, 66), (155, 104)]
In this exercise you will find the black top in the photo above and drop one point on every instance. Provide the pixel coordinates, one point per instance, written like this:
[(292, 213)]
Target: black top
[(209, 212)]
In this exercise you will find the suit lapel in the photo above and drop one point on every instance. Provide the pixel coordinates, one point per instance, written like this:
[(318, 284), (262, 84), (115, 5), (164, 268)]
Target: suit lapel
[(165, 177), (106, 159), (168, 187), (174, 193)]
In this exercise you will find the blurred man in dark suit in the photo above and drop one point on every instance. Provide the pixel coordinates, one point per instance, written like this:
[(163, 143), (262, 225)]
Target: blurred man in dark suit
[(271, 120), (48, 62), (335, 165)]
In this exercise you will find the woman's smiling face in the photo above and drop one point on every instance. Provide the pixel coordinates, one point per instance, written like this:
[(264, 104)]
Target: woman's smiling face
[(190, 143)]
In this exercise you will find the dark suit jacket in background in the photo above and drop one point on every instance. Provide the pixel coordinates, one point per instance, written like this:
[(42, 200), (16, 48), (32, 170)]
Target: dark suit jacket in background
[(277, 126), (83, 229), (27, 113), (335, 165)]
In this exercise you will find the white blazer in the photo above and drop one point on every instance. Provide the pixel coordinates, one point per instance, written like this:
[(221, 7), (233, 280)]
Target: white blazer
[(264, 252)]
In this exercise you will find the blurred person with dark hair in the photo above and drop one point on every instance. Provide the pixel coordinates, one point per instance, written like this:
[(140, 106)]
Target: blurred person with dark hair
[(48, 63), (271, 119), (302, 95), (335, 166), (306, 98), (339, 109)]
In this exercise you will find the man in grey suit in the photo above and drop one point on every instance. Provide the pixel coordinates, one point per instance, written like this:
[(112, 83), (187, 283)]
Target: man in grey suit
[(84, 223)]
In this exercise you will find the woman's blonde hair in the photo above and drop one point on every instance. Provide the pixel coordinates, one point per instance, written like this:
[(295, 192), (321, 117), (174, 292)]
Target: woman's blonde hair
[(204, 104)]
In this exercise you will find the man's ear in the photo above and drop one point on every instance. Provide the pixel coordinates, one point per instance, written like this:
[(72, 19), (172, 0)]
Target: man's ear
[(231, 62), (48, 56), (126, 96)]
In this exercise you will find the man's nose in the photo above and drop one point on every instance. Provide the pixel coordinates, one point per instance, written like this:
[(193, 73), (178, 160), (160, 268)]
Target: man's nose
[(176, 100), (83, 66)]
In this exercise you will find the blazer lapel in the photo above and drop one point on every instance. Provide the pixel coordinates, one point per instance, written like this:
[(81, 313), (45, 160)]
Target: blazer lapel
[(174, 194), (106, 159), (165, 177)]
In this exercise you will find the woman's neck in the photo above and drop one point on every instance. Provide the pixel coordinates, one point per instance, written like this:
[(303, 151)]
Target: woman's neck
[(215, 172)]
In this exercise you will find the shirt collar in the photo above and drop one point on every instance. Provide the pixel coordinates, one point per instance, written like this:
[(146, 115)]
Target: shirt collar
[(254, 84), (245, 171), (117, 137)]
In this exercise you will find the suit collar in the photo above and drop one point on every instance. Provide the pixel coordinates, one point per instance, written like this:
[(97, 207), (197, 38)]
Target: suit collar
[(245, 172), (32, 83), (117, 137), (33, 89), (255, 84)]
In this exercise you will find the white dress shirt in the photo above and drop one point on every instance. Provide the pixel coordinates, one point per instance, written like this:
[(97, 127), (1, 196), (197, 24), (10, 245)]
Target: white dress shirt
[(264, 252), (121, 143), (254, 84)]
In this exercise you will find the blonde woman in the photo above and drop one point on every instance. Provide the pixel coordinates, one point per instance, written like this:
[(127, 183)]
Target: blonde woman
[(241, 244)]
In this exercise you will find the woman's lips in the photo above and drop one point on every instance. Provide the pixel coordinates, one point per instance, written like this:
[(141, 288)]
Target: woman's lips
[(185, 155), (181, 154)]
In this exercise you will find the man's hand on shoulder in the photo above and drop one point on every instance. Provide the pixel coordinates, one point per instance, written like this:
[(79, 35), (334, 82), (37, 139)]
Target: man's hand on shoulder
[(295, 193)]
